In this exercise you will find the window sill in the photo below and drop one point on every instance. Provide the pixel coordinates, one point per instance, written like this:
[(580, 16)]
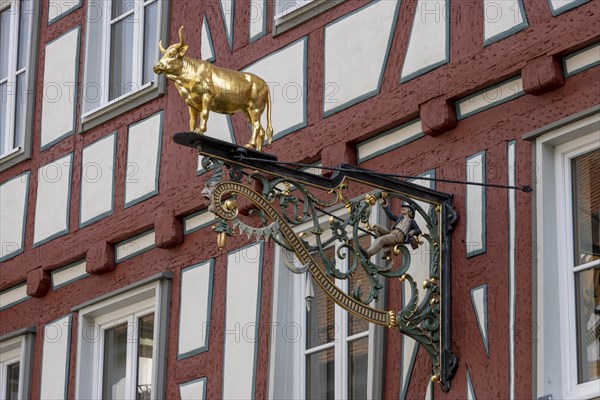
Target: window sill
[(11, 154), (13, 157), (584, 391), (290, 18), (121, 105)]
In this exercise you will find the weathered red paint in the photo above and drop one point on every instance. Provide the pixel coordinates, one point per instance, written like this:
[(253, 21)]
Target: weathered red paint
[(543, 74), (534, 53), (38, 283), (437, 116), (100, 258), (168, 231)]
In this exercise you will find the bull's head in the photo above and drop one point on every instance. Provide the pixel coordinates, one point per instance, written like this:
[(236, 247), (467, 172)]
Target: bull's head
[(171, 62)]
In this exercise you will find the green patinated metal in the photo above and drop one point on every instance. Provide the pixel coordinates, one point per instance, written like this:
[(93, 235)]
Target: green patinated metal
[(284, 199)]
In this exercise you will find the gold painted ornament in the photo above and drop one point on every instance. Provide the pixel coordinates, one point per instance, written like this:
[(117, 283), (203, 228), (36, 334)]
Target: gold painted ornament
[(205, 87)]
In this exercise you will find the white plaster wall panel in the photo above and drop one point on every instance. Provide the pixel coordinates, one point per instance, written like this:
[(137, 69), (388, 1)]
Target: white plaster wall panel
[(428, 46), (582, 60), (488, 98), (408, 353), (242, 311), (97, 180), (14, 195), (560, 6), (511, 169), (475, 205), (143, 159), (218, 126), (420, 260), (195, 390), (421, 257), (356, 50), (13, 296), (285, 73), (55, 359), (52, 202), (479, 301), (60, 8), (68, 274), (502, 18), (258, 19), (390, 140), (59, 99), (227, 13), (195, 309), (470, 392), (134, 246), (316, 170), (206, 44), (197, 221), (429, 392)]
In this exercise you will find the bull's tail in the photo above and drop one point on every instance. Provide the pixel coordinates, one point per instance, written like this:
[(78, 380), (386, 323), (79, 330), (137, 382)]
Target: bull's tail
[(269, 131)]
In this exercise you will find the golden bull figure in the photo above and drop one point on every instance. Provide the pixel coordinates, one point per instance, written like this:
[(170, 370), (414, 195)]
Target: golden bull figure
[(205, 87)]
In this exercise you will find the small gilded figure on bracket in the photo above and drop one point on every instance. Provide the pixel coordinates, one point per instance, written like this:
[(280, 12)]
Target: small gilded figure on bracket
[(404, 230), (205, 87)]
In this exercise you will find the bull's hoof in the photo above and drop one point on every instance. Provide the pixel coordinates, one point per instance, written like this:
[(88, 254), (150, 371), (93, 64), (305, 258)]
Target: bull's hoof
[(199, 131)]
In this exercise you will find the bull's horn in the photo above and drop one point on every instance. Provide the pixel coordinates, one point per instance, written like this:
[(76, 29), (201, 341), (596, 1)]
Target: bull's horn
[(160, 47), (181, 36)]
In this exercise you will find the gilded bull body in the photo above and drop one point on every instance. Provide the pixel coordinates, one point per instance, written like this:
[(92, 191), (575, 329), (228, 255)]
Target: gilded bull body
[(205, 87)]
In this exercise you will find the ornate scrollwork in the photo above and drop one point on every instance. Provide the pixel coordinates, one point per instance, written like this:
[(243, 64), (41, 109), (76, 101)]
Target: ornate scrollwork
[(283, 203), (281, 199)]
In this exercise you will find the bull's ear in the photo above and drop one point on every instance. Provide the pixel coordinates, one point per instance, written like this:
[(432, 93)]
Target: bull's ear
[(182, 50)]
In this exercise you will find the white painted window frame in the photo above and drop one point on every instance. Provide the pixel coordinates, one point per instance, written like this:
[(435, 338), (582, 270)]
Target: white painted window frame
[(556, 315), (341, 342), (295, 14), (95, 319), (8, 130), (106, 106), (564, 155), (8, 358), (138, 12), (13, 350), (290, 7)]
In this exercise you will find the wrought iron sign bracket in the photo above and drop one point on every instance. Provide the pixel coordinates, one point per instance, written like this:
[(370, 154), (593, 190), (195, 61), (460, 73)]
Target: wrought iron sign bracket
[(285, 198)]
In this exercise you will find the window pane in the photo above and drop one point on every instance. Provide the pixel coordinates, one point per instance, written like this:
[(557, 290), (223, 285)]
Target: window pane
[(587, 285), (586, 207), (358, 368), (12, 382), (320, 320), (24, 32), (150, 41), (20, 108), (356, 324), (4, 41), (120, 7), (121, 58), (320, 377), (145, 347), (3, 105), (115, 361)]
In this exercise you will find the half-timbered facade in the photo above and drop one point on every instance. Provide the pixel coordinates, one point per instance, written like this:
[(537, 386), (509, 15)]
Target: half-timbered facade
[(111, 281)]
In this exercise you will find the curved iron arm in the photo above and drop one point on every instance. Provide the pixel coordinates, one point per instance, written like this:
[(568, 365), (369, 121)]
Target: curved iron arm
[(285, 201)]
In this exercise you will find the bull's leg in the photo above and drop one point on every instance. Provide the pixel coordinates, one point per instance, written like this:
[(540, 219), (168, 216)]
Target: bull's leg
[(206, 100), (258, 133), (193, 119), (252, 143)]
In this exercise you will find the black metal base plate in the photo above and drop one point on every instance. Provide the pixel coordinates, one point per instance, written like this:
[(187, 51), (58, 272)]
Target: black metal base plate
[(218, 148)]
